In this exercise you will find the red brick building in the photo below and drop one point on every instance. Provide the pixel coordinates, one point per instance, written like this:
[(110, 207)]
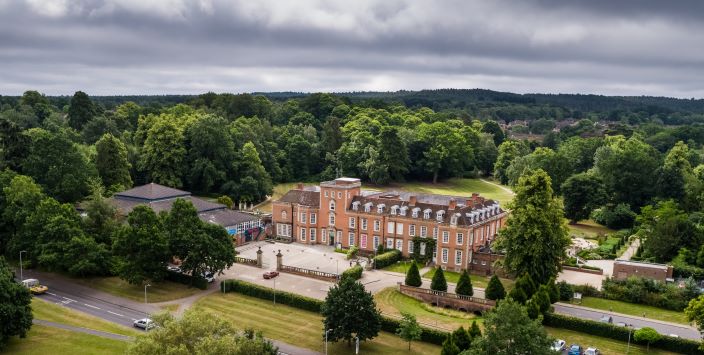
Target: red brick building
[(340, 213)]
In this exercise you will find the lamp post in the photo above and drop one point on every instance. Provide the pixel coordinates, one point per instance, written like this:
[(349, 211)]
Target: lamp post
[(628, 347), (21, 276), (145, 292), (273, 278), (337, 267), (326, 340), (356, 345)]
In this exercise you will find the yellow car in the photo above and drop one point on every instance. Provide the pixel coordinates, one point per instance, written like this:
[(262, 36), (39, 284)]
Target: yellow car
[(34, 286)]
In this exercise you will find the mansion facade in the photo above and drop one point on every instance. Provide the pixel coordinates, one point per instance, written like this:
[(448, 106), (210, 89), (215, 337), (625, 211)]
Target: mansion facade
[(342, 214)]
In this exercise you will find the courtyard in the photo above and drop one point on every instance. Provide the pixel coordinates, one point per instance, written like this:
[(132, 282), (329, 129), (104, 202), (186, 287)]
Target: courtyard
[(314, 257)]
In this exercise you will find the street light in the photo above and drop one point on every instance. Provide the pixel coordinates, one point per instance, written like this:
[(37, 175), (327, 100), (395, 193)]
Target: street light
[(21, 276), (145, 292), (628, 348), (273, 278), (326, 340)]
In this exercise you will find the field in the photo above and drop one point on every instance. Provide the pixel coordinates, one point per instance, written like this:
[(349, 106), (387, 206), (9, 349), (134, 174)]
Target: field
[(588, 229), (477, 280), (157, 292), (392, 302), (59, 314), (48, 340), (297, 327), (605, 345), (635, 309), (279, 190)]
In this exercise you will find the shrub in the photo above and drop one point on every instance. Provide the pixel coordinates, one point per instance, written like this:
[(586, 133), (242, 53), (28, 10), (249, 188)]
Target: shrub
[(429, 335), (464, 285), (287, 298), (439, 283), (518, 295), (354, 272), (413, 276), (586, 290), (614, 216), (387, 258), (197, 282), (649, 292), (495, 289), (566, 291), (352, 252)]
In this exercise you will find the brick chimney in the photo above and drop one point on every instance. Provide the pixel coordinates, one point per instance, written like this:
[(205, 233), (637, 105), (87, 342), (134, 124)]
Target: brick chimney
[(475, 198), (452, 205), (412, 200), (300, 186)]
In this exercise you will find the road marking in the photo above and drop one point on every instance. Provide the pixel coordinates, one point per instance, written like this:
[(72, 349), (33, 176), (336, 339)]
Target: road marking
[(117, 314), (91, 306), (53, 294), (68, 299)]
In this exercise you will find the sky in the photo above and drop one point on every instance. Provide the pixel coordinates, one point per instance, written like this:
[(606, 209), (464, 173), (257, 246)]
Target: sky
[(112, 47)]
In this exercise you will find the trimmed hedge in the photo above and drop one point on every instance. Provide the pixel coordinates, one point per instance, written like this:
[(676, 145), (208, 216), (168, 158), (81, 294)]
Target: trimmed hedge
[(189, 280), (387, 258), (283, 297), (432, 336), (607, 330), (354, 272)]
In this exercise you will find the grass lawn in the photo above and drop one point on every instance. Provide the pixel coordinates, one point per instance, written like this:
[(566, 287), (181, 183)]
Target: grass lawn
[(477, 280), (588, 229), (401, 267), (461, 187), (392, 302), (297, 327), (635, 309), (48, 340), (605, 345), (59, 314), (279, 190), (157, 292)]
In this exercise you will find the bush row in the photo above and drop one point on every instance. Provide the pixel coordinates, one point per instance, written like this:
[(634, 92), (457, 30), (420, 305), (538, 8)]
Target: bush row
[(189, 280), (432, 336), (354, 272), (287, 298), (606, 330), (387, 258), (684, 271), (649, 292)]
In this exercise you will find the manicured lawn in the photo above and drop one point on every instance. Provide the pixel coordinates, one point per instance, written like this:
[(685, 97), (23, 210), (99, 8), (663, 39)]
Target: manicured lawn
[(588, 229), (297, 327), (392, 302), (157, 292), (458, 187), (401, 267), (60, 314), (48, 340), (477, 280), (279, 190), (635, 309), (605, 345)]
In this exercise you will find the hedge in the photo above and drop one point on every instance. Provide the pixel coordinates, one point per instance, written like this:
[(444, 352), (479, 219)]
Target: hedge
[(607, 330), (354, 272), (189, 280), (432, 336), (266, 293), (388, 258)]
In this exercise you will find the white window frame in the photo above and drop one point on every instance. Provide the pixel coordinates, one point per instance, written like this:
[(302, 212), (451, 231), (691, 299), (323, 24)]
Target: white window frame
[(331, 205), (389, 243), (363, 244), (313, 218), (410, 247), (435, 233), (399, 245), (412, 230), (284, 215), (377, 226), (460, 238), (422, 248), (458, 257), (445, 255), (313, 233), (423, 231), (363, 222), (326, 193), (399, 228), (331, 219), (350, 239), (390, 227), (302, 236), (339, 194), (303, 216), (323, 235), (352, 222), (376, 241), (445, 237)]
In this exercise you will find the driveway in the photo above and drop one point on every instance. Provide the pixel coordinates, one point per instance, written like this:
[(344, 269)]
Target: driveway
[(314, 257)]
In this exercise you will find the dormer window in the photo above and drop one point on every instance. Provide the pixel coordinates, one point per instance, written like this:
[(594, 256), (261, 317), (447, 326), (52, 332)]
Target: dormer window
[(355, 205), (415, 212), (404, 210), (332, 205), (453, 219), (380, 208), (394, 210), (368, 207), (439, 215), (426, 213), (470, 216)]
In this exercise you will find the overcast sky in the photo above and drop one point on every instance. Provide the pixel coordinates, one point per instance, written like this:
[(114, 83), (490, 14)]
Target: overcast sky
[(105, 47)]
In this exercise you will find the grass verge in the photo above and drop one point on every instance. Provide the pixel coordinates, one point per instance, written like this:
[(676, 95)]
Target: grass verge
[(635, 309), (48, 340), (477, 280), (297, 327), (605, 345), (392, 302), (157, 292), (54, 313)]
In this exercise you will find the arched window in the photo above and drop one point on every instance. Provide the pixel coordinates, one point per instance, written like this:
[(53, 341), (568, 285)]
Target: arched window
[(284, 215), (332, 205)]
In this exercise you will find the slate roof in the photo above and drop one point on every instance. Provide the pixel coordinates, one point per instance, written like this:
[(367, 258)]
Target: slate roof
[(302, 197), (227, 218), (152, 192), (127, 205)]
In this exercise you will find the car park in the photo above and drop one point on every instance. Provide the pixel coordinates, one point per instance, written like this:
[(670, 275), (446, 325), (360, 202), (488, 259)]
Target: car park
[(592, 351), (575, 350), (34, 286), (271, 274), (558, 345), (144, 323)]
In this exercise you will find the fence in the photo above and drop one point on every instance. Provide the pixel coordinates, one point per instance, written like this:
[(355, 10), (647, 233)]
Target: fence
[(320, 275), (241, 260), (445, 299)]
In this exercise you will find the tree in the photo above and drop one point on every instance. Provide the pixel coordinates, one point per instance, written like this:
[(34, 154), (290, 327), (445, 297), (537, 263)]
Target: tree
[(509, 330), (225, 200), (15, 310), (101, 220), (646, 334), (444, 151), (254, 182), (555, 165), (553, 291), (409, 329), (210, 153), (14, 145), (141, 248), (393, 154), (695, 312), (80, 110), (675, 173), (579, 152), (474, 331), (535, 237), (438, 283), (664, 229), (495, 289), (533, 309), (200, 334), (413, 276), (449, 347), (518, 295), (112, 164), (508, 152), (163, 153), (462, 338), (464, 285), (542, 299), (526, 283), (495, 130), (349, 310), (582, 193)]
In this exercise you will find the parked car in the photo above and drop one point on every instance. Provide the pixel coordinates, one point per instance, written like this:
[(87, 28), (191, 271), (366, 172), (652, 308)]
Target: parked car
[(271, 274), (174, 268), (208, 276), (34, 286), (592, 351), (575, 350), (673, 335), (558, 345), (606, 319), (144, 323)]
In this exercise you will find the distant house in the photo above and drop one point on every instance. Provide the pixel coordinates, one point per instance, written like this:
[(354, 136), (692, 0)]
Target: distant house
[(624, 269), (243, 227)]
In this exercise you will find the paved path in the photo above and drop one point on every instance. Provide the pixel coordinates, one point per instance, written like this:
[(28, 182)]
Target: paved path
[(632, 249), (499, 186), (83, 330)]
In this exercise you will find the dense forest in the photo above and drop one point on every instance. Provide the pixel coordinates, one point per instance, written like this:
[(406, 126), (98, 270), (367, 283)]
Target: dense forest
[(627, 162)]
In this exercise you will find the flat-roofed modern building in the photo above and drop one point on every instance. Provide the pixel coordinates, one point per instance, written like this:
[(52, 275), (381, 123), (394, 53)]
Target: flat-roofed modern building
[(342, 214)]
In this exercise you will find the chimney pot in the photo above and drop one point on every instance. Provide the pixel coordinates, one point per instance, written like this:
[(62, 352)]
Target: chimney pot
[(452, 205), (412, 200)]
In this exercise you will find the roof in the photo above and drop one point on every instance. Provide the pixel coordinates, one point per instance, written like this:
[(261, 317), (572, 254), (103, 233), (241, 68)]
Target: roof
[(227, 218), (127, 205), (643, 264), (302, 197), (152, 192)]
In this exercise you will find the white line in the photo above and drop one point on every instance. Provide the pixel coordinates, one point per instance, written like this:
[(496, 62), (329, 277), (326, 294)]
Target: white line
[(91, 306), (53, 294), (117, 314), (68, 299)]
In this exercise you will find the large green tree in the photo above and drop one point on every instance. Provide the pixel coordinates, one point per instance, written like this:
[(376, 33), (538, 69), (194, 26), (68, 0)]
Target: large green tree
[(675, 173), (495, 130), (444, 149), (15, 309), (349, 310), (210, 155), (14, 145), (508, 152), (582, 193), (542, 158), (80, 111), (252, 183), (665, 228), (112, 164), (163, 153), (535, 237)]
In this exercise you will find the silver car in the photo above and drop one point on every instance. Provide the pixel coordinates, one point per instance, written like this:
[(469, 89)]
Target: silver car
[(144, 323)]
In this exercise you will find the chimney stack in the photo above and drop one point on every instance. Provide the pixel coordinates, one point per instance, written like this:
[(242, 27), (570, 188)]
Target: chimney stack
[(300, 186), (412, 200), (475, 198), (452, 205)]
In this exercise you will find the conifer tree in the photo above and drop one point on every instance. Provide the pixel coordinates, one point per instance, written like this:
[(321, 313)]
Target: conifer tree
[(439, 283), (495, 289), (518, 295), (462, 339), (474, 331), (464, 285), (413, 276), (449, 347)]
